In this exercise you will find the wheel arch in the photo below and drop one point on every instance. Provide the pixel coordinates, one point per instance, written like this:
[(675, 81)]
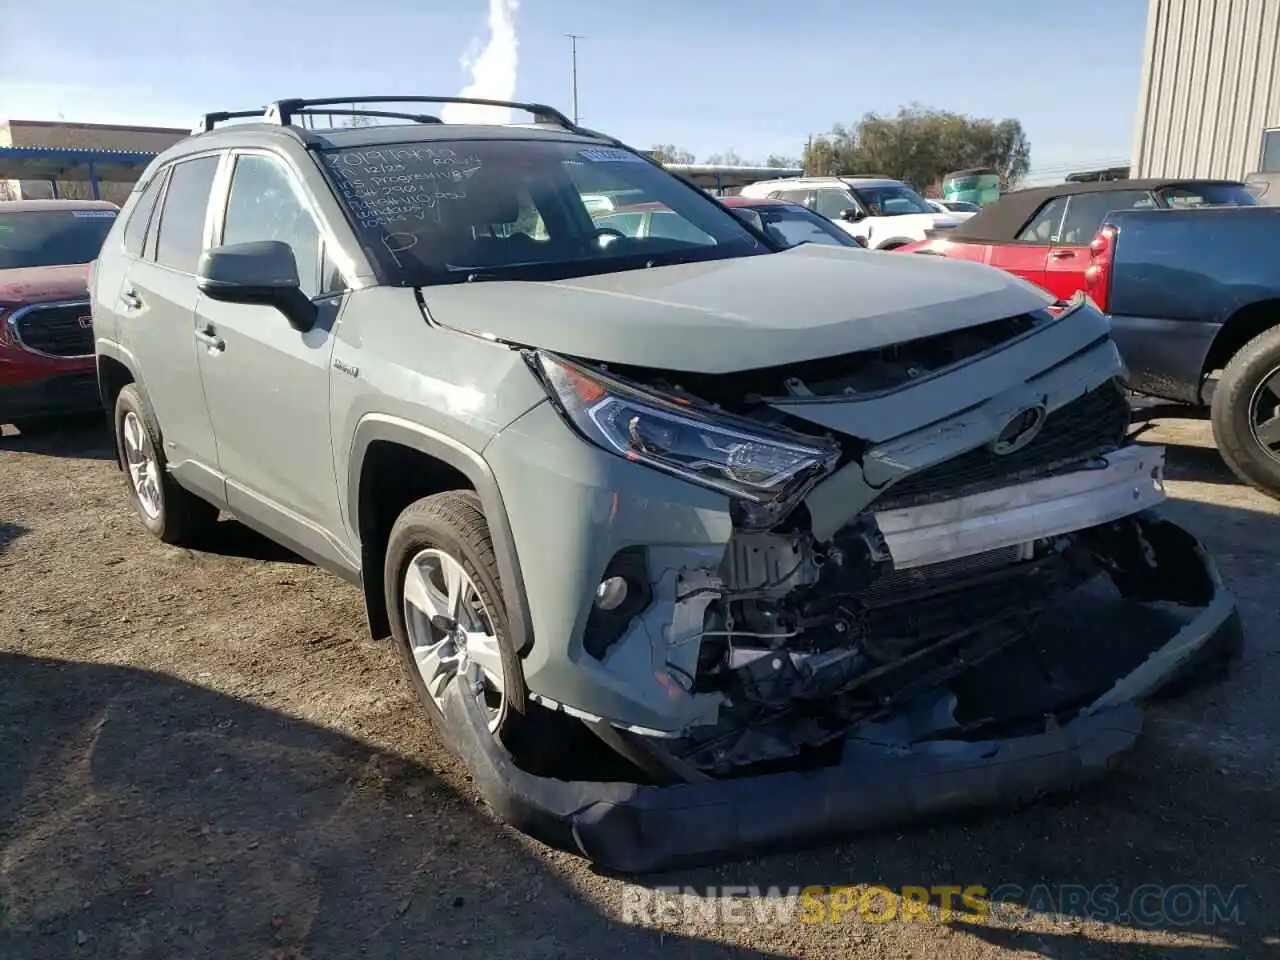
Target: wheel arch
[(116, 370), (893, 243), (1238, 329), (422, 462)]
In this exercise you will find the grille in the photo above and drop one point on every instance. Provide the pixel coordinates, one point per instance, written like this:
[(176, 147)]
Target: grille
[(899, 586), (1085, 428), (56, 329)]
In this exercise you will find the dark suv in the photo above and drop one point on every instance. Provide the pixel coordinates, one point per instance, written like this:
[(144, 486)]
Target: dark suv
[(46, 335)]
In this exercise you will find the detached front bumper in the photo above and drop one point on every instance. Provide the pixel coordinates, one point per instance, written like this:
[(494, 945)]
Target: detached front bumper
[(636, 829)]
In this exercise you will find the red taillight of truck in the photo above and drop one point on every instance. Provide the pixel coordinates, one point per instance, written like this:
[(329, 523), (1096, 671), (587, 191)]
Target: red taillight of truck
[(1097, 276)]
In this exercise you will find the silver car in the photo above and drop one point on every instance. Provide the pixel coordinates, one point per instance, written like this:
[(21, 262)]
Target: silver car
[(687, 542)]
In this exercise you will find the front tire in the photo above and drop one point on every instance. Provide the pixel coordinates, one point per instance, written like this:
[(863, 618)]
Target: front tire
[(449, 622), (172, 513), (1245, 413)]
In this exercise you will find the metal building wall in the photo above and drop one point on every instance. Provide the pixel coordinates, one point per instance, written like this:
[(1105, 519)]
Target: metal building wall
[(1210, 86)]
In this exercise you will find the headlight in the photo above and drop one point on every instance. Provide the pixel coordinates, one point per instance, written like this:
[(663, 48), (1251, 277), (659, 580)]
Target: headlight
[(718, 450)]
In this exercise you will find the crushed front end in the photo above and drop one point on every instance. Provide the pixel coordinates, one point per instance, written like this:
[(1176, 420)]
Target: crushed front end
[(929, 577)]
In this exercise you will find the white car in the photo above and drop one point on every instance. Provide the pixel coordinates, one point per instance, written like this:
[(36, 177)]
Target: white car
[(960, 210), (885, 213)]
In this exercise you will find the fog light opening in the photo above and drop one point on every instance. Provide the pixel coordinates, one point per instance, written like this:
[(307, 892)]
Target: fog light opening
[(611, 594)]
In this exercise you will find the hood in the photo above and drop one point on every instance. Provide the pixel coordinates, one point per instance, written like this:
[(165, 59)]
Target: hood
[(41, 284), (727, 315)]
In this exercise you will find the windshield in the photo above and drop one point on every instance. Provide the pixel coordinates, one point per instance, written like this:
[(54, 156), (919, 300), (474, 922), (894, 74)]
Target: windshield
[(51, 238), (891, 200), (1208, 195), (961, 206), (451, 211), (790, 225)]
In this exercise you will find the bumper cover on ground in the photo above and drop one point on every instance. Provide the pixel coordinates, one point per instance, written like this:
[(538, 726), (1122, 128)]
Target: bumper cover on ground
[(637, 829)]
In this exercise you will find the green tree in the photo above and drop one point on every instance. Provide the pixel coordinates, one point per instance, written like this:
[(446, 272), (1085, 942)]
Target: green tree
[(729, 158), (670, 153), (921, 145), (781, 162)]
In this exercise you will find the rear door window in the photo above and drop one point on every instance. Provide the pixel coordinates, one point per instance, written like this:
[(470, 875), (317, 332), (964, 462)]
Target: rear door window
[(802, 197), (180, 238)]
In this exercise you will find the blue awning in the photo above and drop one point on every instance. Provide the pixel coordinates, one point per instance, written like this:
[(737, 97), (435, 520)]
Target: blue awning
[(82, 164)]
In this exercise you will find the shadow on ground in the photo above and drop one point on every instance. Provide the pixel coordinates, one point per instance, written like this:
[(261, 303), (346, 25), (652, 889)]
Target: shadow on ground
[(230, 538), (1197, 464), (81, 437), (141, 816), (10, 532)]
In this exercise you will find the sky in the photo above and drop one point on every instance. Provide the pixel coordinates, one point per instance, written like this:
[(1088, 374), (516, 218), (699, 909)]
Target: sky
[(754, 76)]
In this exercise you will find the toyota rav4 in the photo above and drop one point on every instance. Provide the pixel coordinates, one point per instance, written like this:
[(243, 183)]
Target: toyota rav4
[(687, 542)]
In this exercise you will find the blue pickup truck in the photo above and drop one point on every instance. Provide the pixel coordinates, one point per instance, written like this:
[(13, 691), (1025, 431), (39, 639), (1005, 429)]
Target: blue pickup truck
[(1194, 299)]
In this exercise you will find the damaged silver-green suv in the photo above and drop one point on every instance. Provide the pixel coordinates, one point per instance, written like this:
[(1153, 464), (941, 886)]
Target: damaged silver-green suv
[(688, 542)]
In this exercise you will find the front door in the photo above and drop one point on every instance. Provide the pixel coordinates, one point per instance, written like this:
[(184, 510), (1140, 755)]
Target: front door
[(1026, 256), (156, 310), (267, 383)]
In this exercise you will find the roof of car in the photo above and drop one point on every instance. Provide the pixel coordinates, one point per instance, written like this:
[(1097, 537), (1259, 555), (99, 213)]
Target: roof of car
[(254, 133), (32, 206), (1000, 221), (756, 202), (862, 181)]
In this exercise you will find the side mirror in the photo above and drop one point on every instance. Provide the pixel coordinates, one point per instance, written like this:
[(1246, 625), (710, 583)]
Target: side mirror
[(260, 272), (851, 215)]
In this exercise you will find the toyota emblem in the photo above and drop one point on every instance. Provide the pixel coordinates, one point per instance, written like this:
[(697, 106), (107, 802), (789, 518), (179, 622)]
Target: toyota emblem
[(85, 322), (1023, 427)]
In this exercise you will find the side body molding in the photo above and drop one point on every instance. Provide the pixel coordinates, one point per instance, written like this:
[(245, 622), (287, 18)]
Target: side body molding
[(375, 427)]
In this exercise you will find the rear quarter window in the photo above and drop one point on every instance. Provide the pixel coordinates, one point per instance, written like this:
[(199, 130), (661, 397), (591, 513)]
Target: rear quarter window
[(135, 229)]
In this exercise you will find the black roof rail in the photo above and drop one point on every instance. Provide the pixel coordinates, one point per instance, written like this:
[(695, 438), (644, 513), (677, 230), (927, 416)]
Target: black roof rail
[(283, 111), (394, 114), (209, 120)]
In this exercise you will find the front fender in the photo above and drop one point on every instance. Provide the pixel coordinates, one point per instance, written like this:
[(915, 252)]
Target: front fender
[(375, 427)]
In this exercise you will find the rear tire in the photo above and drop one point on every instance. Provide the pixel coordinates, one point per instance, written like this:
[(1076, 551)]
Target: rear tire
[(431, 535), (1245, 413), (172, 513)]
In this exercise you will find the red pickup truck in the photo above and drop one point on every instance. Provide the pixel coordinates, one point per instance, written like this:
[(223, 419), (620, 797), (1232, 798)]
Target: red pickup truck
[(46, 331)]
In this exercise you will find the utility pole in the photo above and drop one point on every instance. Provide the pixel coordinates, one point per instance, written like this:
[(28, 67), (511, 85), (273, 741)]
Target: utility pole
[(573, 41)]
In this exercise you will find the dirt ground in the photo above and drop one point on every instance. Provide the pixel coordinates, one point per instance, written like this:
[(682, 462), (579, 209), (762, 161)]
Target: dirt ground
[(202, 756)]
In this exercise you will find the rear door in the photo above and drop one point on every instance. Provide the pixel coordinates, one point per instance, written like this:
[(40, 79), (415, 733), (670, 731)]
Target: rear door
[(1069, 256), (156, 310), (1027, 255)]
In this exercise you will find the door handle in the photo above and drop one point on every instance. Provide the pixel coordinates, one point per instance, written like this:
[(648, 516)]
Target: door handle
[(210, 339), (131, 299), (1062, 254)]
